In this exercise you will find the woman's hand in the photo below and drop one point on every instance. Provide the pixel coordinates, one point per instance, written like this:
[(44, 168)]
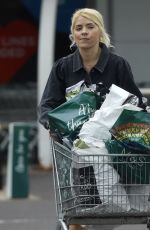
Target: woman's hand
[(54, 136)]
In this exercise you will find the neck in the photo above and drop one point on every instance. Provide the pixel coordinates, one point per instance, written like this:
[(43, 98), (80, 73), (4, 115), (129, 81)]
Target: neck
[(89, 54), (90, 57)]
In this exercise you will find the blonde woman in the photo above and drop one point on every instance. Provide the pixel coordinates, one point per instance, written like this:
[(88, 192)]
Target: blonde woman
[(91, 61)]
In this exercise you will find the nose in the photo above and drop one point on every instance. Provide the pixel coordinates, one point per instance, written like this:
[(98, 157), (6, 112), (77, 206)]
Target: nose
[(84, 31)]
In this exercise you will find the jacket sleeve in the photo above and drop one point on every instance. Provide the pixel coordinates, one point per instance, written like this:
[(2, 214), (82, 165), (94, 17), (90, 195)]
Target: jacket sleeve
[(126, 80), (53, 95)]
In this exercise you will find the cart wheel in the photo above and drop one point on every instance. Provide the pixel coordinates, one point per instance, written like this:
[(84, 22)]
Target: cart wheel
[(148, 223), (61, 225), (58, 226)]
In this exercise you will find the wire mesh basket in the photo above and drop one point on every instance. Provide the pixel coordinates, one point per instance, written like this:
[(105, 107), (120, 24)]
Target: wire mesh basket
[(102, 188)]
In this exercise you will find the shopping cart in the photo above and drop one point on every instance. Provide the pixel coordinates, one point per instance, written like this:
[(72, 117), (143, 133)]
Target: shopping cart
[(100, 189)]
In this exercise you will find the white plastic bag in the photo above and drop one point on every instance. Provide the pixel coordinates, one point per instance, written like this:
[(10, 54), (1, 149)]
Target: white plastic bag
[(97, 128), (139, 197), (116, 96), (111, 192)]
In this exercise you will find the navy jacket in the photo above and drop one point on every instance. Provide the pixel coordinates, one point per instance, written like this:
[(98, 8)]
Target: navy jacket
[(67, 71)]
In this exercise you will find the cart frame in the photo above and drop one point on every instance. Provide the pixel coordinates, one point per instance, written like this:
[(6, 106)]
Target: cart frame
[(69, 211)]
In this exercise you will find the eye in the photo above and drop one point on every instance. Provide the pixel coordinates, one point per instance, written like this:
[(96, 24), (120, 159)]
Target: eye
[(78, 28), (90, 26)]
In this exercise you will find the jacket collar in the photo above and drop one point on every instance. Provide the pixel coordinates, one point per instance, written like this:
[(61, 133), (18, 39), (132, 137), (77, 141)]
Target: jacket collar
[(100, 66)]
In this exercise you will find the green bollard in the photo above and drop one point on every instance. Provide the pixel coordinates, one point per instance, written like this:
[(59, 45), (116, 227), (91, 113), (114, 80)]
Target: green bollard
[(17, 180)]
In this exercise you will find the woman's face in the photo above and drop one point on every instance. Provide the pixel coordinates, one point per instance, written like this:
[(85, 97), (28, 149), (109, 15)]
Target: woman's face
[(86, 33)]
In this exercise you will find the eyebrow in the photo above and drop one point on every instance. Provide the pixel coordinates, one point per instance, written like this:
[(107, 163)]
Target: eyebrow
[(88, 24)]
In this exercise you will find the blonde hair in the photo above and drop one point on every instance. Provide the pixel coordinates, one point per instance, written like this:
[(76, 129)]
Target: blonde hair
[(96, 17)]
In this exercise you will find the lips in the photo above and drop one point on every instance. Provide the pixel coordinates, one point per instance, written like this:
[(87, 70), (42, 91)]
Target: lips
[(84, 39)]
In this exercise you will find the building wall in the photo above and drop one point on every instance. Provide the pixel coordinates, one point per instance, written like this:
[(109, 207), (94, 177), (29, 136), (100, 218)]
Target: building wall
[(130, 33)]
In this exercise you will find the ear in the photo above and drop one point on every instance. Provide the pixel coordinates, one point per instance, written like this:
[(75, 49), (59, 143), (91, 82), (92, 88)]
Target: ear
[(71, 38), (73, 47)]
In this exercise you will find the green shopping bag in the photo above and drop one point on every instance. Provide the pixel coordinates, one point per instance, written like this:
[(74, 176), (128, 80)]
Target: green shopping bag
[(132, 129), (132, 166), (68, 118)]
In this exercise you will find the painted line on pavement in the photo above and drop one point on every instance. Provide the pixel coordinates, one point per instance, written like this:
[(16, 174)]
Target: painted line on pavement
[(18, 221)]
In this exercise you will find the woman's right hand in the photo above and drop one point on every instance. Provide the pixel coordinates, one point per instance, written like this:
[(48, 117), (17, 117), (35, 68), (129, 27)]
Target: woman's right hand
[(54, 136)]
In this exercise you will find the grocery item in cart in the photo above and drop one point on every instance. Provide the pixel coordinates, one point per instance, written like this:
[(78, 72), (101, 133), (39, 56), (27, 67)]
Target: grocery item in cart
[(97, 127), (68, 118), (134, 170), (111, 191), (84, 184), (132, 166), (132, 129), (99, 88), (139, 197)]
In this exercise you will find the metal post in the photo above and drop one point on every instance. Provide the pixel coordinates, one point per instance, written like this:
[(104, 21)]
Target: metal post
[(45, 62), (1, 172)]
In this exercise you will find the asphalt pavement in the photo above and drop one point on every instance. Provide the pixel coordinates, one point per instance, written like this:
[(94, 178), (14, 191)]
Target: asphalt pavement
[(37, 212)]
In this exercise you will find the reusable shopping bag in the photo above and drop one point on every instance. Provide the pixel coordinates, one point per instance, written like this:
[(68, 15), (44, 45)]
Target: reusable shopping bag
[(68, 118), (133, 166), (132, 129)]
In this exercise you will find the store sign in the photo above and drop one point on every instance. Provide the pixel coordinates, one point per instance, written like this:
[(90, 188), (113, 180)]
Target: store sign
[(18, 42)]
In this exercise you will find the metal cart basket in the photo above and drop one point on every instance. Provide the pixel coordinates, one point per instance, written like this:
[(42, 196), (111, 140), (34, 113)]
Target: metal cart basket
[(100, 189)]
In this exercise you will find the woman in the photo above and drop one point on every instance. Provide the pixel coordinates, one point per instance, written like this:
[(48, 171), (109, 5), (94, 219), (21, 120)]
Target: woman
[(92, 61)]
